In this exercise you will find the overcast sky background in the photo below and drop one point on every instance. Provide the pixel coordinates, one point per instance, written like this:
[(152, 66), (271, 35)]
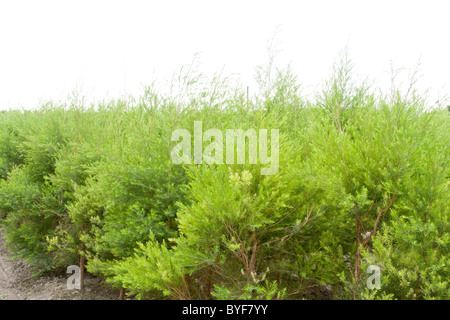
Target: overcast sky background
[(111, 48)]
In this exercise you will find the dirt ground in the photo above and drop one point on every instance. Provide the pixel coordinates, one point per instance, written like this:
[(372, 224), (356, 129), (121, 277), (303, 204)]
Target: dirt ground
[(18, 283)]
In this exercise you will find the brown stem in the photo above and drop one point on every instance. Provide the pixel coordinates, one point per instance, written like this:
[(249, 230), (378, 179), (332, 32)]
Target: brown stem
[(359, 228), (122, 294), (208, 284)]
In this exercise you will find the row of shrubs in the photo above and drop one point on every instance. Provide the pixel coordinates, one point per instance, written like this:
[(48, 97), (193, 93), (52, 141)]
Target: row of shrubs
[(363, 180)]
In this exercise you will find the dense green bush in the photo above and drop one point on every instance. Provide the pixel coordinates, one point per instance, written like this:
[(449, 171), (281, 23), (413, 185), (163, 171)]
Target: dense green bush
[(363, 179)]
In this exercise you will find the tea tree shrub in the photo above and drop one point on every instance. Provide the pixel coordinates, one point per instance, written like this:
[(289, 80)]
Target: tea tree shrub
[(10, 141), (30, 217), (361, 179)]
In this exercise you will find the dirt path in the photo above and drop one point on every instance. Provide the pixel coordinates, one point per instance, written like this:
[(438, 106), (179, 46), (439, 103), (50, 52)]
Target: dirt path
[(18, 283)]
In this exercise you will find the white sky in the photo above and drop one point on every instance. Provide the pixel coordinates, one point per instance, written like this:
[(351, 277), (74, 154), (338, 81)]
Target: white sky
[(108, 48)]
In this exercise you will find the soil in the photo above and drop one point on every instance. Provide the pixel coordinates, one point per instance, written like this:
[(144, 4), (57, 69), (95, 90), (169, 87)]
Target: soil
[(18, 283)]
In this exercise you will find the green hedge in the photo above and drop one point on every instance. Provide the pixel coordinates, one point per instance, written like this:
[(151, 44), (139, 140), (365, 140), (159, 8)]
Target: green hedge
[(363, 180)]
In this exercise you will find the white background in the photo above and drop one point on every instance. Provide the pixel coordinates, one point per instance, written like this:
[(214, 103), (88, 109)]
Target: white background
[(111, 48)]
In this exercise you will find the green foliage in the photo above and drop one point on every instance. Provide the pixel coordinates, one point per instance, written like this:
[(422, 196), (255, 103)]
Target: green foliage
[(363, 180), (152, 268), (31, 215), (10, 141)]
